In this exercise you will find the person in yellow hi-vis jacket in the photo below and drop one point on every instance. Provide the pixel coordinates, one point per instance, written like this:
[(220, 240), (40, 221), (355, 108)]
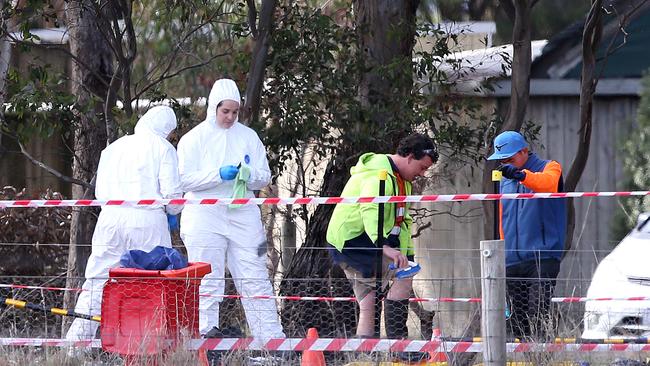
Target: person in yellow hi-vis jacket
[(353, 231)]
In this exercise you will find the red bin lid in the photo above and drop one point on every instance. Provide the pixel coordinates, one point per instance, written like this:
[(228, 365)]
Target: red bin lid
[(193, 270)]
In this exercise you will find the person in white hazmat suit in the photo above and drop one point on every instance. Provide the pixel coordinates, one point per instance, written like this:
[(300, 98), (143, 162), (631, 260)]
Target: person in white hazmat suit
[(210, 157), (139, 166)]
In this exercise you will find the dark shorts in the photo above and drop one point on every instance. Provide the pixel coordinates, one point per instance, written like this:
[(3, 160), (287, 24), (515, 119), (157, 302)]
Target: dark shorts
[(359, 253)]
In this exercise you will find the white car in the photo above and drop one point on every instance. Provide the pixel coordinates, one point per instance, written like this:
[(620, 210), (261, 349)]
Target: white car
[(623, 274)]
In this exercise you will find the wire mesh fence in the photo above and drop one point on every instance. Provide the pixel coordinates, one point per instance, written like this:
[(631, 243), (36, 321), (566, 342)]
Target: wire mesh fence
[(166, 310), (446, 298)]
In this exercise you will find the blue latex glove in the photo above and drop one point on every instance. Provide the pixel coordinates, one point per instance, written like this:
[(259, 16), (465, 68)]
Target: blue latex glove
[(511, 172), (172, 220), (228, 172)]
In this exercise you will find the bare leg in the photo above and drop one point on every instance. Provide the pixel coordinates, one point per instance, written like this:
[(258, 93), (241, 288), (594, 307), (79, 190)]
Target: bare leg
[(366, 324)]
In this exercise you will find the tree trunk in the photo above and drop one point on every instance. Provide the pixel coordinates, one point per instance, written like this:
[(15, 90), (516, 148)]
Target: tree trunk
[(88, 82), (5, 56), (590, 41), (122, 43), (311, 274), (255, 80), (520, 13), (521, 60), (386, 35), (288, 238)]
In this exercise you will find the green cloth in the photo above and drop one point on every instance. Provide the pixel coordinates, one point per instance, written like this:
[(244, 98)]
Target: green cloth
[(239, 188), (351, 220)]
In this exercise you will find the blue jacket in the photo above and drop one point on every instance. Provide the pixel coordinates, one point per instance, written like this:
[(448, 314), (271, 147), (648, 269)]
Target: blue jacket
[(534, 228)]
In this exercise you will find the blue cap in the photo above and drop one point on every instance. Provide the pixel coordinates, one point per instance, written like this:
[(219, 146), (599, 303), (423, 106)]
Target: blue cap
[(507, 144)]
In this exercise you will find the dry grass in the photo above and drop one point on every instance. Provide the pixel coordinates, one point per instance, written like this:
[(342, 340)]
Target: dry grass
[(22, 356)]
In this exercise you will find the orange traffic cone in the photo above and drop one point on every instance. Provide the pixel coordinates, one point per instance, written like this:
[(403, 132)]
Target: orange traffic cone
[(437, 356), (312, 358), (203, 358)]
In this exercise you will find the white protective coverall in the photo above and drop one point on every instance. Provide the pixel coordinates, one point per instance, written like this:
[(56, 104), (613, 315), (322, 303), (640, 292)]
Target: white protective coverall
[(139, 166), (217, 233)]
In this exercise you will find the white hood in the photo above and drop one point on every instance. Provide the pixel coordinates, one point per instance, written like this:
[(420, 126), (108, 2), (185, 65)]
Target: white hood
[(207, 147), (143, 165), (223, 89), (159, 120)]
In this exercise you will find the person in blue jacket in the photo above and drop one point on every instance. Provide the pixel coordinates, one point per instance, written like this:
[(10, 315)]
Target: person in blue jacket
[(533, 230)]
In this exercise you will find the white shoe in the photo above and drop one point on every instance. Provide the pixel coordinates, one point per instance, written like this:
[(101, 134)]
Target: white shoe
[(78, 353)]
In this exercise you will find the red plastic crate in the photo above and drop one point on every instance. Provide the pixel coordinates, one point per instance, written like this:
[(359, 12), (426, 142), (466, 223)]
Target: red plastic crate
[(147, 312)]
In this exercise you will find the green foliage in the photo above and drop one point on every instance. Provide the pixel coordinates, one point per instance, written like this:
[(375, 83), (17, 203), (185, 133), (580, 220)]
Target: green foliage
[(181, 48), (196, 41), (38, 103), (635, 152), (312, 76), (311, 98)]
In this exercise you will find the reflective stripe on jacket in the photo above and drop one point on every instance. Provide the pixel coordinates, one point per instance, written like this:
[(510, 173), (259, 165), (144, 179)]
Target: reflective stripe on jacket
[(351, 220)]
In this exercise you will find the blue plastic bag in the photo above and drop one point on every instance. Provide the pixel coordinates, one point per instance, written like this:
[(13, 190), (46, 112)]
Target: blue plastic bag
[(159, 258)]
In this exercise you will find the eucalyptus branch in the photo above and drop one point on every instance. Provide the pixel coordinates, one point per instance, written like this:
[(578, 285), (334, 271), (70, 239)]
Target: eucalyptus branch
[(622, 23), (164, 77), (252, 18), (421, 228), (172, 56), (422, 213), (51, 170)]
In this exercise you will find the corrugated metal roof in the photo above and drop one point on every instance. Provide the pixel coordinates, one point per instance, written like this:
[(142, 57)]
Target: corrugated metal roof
[(43, 36)]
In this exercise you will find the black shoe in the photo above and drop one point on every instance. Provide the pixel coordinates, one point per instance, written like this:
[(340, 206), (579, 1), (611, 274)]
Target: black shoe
[(229, 332), (213, 333)]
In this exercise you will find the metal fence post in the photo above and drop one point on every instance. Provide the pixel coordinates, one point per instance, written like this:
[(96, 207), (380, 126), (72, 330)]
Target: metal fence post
[(493, 302)]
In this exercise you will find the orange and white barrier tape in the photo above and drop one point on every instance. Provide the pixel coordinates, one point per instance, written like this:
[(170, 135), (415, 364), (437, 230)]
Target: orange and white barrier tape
[(314, 200), (348, 345), (585, 299)]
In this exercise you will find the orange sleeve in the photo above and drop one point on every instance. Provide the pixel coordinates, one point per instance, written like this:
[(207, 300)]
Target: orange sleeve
[(545, 181), (501, 221)]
